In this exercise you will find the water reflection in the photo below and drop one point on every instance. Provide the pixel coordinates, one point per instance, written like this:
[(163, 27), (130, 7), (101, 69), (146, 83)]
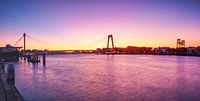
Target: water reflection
[(110, 78), (181, 84), (44, 71)]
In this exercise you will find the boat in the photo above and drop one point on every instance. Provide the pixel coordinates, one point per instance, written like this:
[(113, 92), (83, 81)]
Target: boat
[(33, 58)]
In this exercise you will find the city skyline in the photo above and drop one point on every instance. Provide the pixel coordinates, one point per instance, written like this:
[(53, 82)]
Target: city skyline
[(85, 24)]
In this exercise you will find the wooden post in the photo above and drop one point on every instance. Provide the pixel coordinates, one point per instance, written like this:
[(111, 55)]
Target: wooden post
[(11, 74), (24, 56), (2, 67), (44, 59), (37, 58)]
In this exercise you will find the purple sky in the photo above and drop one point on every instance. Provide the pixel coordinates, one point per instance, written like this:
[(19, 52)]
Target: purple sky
[(85, 24)]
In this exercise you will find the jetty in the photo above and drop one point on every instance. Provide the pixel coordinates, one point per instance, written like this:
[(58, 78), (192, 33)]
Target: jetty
[(8, 91)]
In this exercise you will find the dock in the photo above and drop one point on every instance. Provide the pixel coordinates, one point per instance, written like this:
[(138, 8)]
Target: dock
[(8, 91)]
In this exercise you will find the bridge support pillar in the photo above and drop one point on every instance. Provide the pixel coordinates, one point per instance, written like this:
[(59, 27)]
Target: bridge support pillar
[(113, 47)]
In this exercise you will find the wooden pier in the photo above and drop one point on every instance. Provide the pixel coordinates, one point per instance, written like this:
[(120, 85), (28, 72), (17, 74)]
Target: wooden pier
[(8, 91)]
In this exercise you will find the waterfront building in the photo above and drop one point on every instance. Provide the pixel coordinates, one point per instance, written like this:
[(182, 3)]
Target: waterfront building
[(139, 50), (9, 53)]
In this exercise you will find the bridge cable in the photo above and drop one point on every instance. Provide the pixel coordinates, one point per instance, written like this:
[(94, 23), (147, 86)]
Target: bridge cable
[(99, 41), (18, 41), (41, 41), (118, 43)]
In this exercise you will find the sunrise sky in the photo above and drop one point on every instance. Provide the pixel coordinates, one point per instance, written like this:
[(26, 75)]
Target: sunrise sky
[(85, 24)]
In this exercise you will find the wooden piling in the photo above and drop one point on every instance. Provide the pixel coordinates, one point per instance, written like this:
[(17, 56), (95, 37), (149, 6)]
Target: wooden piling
[(44, 59), (2, 68)]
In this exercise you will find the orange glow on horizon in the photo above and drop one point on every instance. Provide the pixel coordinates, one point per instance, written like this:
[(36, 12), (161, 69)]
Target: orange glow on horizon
[(83, 42)]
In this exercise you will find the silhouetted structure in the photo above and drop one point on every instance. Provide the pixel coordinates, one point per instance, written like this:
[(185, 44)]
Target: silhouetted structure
[(138, 50), (9, 53), (24, 35), (179, 50), (113, 47), (180, 43)]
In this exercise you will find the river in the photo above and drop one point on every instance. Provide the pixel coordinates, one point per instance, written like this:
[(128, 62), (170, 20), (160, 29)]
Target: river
[(82, 77)]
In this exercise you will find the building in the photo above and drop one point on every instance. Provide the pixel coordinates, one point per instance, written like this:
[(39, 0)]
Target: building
[(181, 51), (139, 50), (121, 50), (193, 51), (9, 53), (164, 51)]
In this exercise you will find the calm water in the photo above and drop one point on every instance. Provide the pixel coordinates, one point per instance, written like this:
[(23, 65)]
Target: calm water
[(110, 78)]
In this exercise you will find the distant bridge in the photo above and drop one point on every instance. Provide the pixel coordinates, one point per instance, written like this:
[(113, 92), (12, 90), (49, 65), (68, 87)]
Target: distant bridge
[(24, 37)]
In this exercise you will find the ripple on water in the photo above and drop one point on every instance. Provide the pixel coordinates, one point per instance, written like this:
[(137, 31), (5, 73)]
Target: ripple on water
[(110, 78)]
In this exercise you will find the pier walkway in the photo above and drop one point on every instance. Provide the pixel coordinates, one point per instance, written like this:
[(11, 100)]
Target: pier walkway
[(8, 91)]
